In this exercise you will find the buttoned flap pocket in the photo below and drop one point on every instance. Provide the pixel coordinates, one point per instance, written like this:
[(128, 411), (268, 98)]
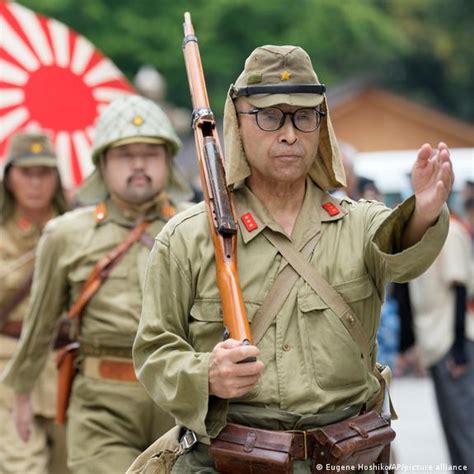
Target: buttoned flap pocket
[(355, 290), (335, 356), (206, 326), (351, 291)]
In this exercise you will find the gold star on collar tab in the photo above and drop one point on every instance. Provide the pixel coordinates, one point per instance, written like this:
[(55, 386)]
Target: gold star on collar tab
[(36, 148), (138, 120), (285, 75)]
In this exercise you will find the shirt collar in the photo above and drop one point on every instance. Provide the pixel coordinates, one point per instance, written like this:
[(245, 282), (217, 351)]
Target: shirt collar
[(309, 220), (112, 213), (21, 225)]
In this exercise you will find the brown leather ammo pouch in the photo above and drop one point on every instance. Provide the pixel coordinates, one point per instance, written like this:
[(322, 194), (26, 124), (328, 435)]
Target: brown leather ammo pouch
[(362, 440), (238, 449)]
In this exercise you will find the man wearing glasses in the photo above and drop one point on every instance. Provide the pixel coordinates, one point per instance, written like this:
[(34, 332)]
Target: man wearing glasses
[(281, 159)]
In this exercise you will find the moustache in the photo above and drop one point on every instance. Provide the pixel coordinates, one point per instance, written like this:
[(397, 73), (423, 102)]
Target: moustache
[(138, 175)]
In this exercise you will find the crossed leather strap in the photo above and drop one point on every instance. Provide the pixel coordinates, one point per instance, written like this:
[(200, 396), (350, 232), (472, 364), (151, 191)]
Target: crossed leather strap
[(299, 266), (103, 268)]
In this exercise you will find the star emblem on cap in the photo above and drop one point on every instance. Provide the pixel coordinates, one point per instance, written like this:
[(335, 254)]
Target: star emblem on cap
[(285, 75), (138, 120), (36, 148)]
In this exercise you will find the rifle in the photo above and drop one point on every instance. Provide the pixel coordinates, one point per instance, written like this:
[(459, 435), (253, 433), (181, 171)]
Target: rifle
[(220, 210)]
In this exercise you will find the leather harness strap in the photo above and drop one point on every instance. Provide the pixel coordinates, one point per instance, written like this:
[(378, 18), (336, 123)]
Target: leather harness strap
[(325, 291), (278, 294), (102, 269)]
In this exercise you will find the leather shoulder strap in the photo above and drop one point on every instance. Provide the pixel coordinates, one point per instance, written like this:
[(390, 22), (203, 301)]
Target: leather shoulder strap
[(102, 269), (325, 291), (278, 294)]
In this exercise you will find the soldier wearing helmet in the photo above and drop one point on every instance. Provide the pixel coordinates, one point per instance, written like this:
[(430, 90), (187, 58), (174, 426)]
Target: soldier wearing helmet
[(30, 195), (134, 190), (314, 362)]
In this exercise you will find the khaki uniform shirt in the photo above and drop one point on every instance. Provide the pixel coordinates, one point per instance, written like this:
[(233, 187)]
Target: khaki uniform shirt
[(68, 251), (312, 364), (18, 241)]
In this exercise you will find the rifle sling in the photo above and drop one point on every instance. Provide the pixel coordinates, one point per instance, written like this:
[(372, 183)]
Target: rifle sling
[(300, 267), (103, 268), (16, 299)]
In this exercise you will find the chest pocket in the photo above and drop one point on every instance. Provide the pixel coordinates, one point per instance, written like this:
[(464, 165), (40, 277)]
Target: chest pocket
[(335, 356), (206, 326)]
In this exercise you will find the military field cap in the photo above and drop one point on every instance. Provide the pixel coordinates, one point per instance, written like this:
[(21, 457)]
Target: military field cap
[(30, 149), (276, 75), (134, 119), (27, 149), (279, 75)]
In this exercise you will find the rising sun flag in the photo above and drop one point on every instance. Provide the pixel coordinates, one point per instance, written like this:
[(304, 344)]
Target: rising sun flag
[(53, 79)]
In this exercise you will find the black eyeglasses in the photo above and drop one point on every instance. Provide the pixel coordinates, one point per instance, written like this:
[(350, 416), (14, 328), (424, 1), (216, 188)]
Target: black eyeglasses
[(271, 119)]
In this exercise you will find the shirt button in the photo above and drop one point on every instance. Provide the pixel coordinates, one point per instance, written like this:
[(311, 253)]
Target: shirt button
[(287, 347)]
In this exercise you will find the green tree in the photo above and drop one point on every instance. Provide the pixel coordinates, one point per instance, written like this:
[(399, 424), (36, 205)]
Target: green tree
[(420, 47)]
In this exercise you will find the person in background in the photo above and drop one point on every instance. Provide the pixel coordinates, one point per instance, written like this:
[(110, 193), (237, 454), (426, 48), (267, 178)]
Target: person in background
[(444, 336), (30, 195), (134, 190)]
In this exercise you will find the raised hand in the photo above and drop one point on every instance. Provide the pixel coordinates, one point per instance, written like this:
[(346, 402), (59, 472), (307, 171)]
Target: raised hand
[(432, 180)]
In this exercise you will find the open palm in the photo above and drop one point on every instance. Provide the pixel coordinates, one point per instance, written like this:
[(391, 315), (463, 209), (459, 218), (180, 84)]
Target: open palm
[(432, 179)]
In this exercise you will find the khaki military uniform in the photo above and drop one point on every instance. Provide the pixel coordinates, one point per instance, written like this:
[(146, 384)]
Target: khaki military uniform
[(313, 367), (45, 451), (110, 421)]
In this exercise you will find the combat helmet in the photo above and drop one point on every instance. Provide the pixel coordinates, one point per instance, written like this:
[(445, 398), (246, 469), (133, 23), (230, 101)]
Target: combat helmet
[(281, 75), (131, 119), (27, 149)]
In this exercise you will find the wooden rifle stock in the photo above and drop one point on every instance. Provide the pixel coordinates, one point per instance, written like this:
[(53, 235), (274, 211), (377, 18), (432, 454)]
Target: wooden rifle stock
[(219, 205)]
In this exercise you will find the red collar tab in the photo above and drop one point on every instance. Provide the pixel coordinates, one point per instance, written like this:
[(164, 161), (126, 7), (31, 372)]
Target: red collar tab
[(100, 212), (23, 223), (168, 211), (249, 222), (331, 209)]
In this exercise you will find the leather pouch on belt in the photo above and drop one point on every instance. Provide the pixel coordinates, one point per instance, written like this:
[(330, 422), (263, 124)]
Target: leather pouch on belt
[(240, 449), (360, 440)]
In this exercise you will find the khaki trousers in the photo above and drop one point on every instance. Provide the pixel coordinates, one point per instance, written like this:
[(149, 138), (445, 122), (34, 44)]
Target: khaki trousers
[(109, 424)]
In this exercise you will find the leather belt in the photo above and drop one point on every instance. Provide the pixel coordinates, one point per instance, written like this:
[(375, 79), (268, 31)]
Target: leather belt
[(298, 444), (302, 446), (12, 329), (111, 369)]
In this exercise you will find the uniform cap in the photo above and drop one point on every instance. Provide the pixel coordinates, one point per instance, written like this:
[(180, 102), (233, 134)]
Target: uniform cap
[(27, 149), (279, 75), (30, 149)]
